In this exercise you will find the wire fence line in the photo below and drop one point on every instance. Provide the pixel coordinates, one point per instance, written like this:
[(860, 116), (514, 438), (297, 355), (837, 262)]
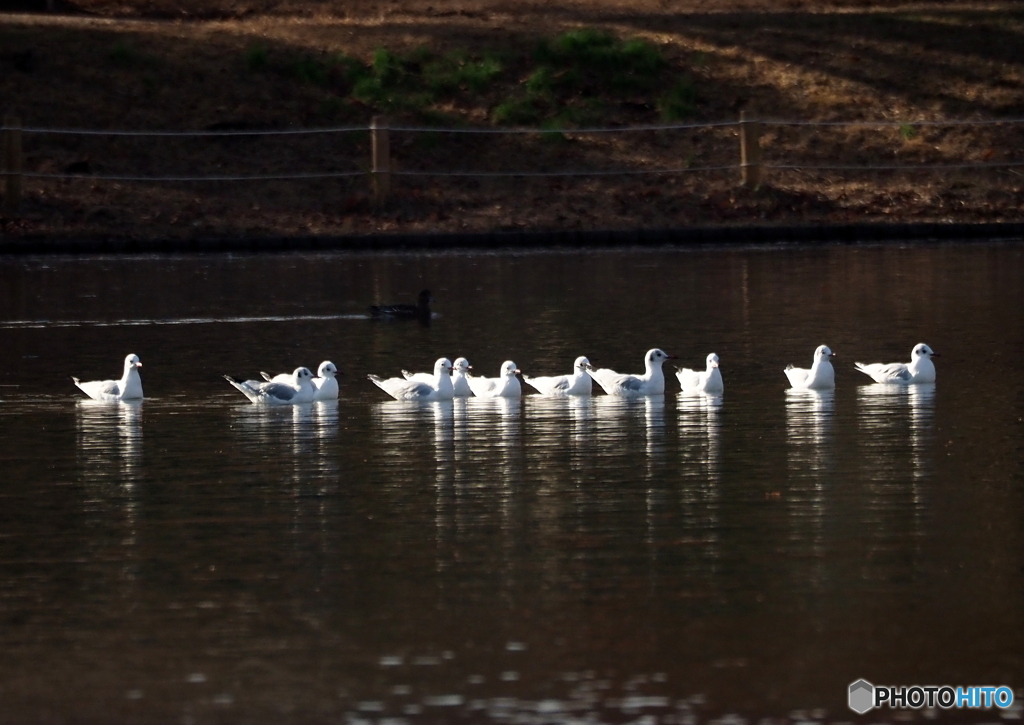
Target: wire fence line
[(175, 179), (380, 172), (209, 133), (522, 174)]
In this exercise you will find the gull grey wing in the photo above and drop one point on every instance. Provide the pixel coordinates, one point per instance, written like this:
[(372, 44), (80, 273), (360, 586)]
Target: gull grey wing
[(561, 384), (421, 389), (279, 391), (109, 387), (895, 371), (631, 383)]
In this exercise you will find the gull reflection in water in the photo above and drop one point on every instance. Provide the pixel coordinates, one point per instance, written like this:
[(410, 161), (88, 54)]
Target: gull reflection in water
[(897, 418), (110, 433), (324, 421), (626, 426), (621, 422), (492, 444), (700, 425), (274, 428), (412, 430), (810, 415), (109, 441), (560, 427), (700, 446), (491, 473), (417, 438)]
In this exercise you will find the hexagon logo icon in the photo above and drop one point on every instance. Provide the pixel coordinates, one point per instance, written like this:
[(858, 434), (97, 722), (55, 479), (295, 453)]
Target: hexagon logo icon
[(862, 696)]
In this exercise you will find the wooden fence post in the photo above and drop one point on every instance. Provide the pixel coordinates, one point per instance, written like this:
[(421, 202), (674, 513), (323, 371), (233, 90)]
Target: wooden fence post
[(750, 151), (11, 145), (381, 160)]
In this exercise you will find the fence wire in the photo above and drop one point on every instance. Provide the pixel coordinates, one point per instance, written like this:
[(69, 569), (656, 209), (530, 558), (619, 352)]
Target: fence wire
[(208, 133), (514, 130)]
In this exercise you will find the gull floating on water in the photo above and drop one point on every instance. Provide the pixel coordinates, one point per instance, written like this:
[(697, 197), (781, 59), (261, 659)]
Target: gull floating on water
[(708, 381), (325, 384), (460, 383), (652, 382), (294, 389), (920, 370), (506, 385), (129, 387), (821, 376), (438, 388), (578, 382)]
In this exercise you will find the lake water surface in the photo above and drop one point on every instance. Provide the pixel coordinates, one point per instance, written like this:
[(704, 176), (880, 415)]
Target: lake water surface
[(197, 559)]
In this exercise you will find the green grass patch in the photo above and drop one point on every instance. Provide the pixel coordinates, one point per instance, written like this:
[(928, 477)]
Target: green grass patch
[(678, 102), (587, 58), (574, 78), (256, 57), (577, 78), (125, 56)]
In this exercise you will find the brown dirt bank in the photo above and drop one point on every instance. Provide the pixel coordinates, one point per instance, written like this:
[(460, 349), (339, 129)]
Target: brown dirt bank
[(270, 65)]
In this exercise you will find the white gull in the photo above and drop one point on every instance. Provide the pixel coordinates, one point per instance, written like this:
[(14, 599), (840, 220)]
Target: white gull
[(920, 370), (460, 384), (652, 382), (707, 381), (821, 376), (578, 382), (325, 384), (506, 385), (439, 387), (295, 389), (129, 387)]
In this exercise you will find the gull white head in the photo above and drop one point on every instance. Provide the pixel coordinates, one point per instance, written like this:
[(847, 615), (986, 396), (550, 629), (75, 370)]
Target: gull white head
[(327, 369), (443, 365), (712, 361), (582, 364), (132, 361), (302, 375), (508, 369), (656, 357), (462, 365), (822, 354), (922, 351)]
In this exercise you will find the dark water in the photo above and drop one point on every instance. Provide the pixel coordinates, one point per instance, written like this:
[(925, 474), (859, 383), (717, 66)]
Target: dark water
[(195, 559)]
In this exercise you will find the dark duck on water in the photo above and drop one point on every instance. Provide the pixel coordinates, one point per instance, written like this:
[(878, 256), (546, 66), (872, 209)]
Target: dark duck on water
[(420, 311)]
